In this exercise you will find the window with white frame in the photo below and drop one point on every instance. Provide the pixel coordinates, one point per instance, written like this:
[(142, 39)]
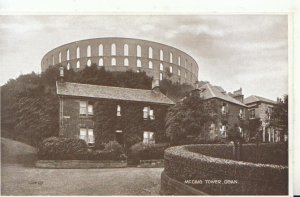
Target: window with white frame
[(171, 57), (68, 54), (90, 109), (161, 67), (101, 62), (89, 63), (171, 69), (160, 76), (113, 61), (241, 114), (126, 62), (138, 63), (126, 50), (150, 52), (59, 57), (78, 64), (241, 132), (88, 51), (224, 108), (148, 113), (161, 55), (118, 110), (223, 130), (148, 137), (83, 106), (100, 48), (113, 49), (91, 139), (150, 64), (83, 134), (252, 113), (138, 51), (78, 52)]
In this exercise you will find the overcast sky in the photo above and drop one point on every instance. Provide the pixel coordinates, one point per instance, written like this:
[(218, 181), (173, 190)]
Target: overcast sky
[(232, 51)]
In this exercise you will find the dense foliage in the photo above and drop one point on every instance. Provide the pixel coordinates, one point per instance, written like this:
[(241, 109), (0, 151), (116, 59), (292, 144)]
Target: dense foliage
[(279, 115), (188, 117)]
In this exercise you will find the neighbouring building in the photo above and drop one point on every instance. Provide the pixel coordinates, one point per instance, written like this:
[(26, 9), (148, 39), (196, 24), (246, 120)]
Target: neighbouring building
[(261, 108), (229, 110), (77, 110)]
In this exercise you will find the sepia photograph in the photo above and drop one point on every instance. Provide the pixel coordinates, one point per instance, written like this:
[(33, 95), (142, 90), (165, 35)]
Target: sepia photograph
[(144, 104)]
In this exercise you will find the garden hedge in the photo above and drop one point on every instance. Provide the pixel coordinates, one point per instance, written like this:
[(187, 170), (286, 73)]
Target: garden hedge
[(60, 148), (191, 162), (142, 151)]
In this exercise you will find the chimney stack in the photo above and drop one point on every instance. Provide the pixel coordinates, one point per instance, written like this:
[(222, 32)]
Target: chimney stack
[(155, 85)]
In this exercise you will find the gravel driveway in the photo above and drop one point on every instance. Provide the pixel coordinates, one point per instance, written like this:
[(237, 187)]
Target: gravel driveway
[(20, 180)]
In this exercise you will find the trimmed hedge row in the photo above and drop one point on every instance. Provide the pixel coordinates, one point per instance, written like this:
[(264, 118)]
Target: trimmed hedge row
[(265, 153), (182, 164), (59, 148), (141, 151)]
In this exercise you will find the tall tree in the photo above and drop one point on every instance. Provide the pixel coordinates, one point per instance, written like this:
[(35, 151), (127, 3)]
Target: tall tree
[(279, 115)]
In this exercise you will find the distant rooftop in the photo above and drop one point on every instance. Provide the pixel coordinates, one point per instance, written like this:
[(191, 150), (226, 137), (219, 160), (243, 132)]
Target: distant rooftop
[(254, 98), (209, 91), (114, 93)]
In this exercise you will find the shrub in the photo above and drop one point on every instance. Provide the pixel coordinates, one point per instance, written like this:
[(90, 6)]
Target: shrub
[(141, 151), (62, 148)]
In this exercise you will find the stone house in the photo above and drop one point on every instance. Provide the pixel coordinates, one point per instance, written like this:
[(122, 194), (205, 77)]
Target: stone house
[(77, 104), (228, 108), (261, 108)]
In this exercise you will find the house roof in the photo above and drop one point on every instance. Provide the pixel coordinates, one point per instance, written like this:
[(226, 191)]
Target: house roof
[(208, 91), (254, 99), (109, 92)]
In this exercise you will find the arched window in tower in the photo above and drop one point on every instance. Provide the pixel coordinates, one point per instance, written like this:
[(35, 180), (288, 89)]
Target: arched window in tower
[(113, 49), (161, 67), (150, 52), (78, 64), (52, 59), (185, 63), (100, 48), (113, 61), (89, 63), (138, 51), (59, 57), (126, 62), (68, 66), (78, 52), (88, 51), (178, 72), (126, 50), (68, 54), (171, 57), (179, 61), (150, 65), (100, 62), (160, 76), (161, 55), (171, 69), (138, 63)]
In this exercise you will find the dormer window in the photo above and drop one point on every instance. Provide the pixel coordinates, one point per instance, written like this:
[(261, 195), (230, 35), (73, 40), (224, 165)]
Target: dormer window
[(118, 110)]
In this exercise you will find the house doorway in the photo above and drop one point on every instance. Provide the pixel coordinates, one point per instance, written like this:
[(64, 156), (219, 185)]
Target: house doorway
[(120, 137)]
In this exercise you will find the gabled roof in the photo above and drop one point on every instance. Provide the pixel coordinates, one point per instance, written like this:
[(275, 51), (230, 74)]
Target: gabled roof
[(254, 99), (109, 92), (208, 91)]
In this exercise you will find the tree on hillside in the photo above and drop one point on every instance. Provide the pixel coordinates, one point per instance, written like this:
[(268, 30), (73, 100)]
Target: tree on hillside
[(187, 118), (279, 115), (175, 91)]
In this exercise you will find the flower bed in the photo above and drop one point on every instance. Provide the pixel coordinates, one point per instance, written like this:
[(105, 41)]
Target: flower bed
[(191, 165)]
